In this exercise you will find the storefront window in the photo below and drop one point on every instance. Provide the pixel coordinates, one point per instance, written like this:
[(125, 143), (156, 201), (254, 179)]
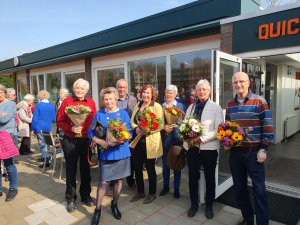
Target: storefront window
[(187, 69), (41, 82), (53, 85), (34, 87), (108, 78), (149, 71), (22, 89), (70, 80)]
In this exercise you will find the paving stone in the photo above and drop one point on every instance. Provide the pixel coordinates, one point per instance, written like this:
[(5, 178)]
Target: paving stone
[(141, 223), (148, 209), (43, 195), (58, 209), (183, 201), (226, 217), (115, 222), (213, 222), (173, 211), (185, 220), (20, 222), (58, 190), (125, 205), (133, 216), (3, 220), (85, 221), (200, 215), (25, 193), (158, 218), (39, 217), (232, 210), (63, 219), (106, 215), (12, 216), (39, 206), (45, 181), (59, 198), (5, 208), (163, 201), (81, 213), (22, 203)]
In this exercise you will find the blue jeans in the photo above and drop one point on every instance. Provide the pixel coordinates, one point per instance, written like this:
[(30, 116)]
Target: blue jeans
[(242, 165), (42, 145), (166, 171)]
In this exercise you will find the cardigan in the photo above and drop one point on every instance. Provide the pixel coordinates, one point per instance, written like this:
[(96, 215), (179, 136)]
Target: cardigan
[(43, 117), (24, 120), (8, 122)]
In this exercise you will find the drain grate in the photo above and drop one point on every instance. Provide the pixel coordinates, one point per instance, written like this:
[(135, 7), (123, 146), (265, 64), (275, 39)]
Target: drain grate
[(283, 209)]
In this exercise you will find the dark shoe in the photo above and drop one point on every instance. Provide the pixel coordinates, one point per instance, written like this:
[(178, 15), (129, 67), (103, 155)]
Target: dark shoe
[(176, 193), (115, 211), (71, 207), (88, 202), (209, 213), (47, 165), (29, 152), (24, 153), (149, 199), (11, 194), (245, 223), (137, 197), (164, 191), (41, 159), (110, 191), (96, 218), (1, 193), (193, 210), (133, 187)]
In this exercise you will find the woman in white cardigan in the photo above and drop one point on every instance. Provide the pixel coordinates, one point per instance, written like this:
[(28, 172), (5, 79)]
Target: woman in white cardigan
[(205, 147)]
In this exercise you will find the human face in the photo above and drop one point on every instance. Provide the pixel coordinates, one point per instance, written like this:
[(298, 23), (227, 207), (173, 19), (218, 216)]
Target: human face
[(62, 96), (110, 101), (12, 97), (240, 83), (122, 88), (80, 90), (29, 102), (170, 96), (203, 92), (147, 95), (2, 96)]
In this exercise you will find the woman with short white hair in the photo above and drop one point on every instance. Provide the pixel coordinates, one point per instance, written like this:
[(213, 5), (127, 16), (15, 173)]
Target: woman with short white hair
[(63, 94), (25, 119), (205, 148)]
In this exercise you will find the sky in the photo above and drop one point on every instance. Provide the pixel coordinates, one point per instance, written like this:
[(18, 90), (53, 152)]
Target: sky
[(31, 25)]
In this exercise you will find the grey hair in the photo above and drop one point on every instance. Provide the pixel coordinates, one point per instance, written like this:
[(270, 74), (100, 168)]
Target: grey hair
[(29, 97), (192, 92), (10, 91), (117, 84), (109, 90), (85, 81), (64, 91), (172, 87), (204, 82), (2, 88)]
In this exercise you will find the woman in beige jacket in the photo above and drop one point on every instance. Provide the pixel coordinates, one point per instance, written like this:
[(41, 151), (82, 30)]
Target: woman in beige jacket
[(149, 146), (25, 118)]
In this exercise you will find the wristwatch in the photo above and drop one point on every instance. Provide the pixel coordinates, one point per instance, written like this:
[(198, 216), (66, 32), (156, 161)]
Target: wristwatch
[(263, 150)]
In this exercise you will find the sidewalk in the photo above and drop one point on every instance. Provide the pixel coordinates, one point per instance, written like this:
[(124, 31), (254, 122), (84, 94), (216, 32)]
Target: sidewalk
[(41, 201)]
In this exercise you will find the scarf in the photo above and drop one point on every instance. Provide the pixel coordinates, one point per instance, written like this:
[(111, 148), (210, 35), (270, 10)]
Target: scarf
[(199, 108)]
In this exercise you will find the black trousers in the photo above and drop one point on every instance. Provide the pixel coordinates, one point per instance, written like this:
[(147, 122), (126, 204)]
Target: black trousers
[(75, 148), (25, 145), (139, 157), (209, 161)]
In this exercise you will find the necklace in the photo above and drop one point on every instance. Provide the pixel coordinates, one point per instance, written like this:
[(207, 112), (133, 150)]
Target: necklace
[(106, 110)]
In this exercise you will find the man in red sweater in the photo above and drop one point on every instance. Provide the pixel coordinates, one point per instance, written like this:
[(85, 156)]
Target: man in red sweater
[(75, 147)]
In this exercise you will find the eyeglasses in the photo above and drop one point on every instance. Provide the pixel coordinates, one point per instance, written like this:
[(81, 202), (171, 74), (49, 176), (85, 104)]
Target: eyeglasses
[(239, 81), (1, 92), (202, 90), (122, 87)]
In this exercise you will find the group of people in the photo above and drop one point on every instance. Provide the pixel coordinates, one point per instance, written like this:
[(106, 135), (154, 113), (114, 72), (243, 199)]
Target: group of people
[(119, 161)]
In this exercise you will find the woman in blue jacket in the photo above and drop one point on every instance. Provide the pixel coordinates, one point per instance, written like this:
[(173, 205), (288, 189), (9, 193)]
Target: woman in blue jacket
[(114, 162)]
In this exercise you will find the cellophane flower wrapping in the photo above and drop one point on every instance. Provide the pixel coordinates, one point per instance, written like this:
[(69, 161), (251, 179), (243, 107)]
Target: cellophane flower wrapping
[(173, 115)]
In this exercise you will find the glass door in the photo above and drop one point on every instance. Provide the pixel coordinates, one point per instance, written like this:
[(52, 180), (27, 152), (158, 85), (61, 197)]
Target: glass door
[(22, 89), (224, 67)]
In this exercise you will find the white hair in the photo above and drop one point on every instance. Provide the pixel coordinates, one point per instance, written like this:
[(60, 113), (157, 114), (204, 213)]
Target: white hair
[(109, 90), (85, 81), (204, 82), (172, 87), (117, 84), (29, 97), (2, 88), (64, 91), (192, 92), (10, 91)]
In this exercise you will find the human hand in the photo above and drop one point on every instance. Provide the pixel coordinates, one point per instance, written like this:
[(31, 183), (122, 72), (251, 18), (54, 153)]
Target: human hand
[(227, 148), (76, 129), (93, 145), (168, 128), (3, 114), (111, 143), (196, 141), (103, 143), (32, 133), (261, 156)]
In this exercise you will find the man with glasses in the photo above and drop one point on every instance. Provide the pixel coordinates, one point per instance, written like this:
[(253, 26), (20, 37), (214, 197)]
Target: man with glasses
[(127, 103), (250, 110), (11, 94)]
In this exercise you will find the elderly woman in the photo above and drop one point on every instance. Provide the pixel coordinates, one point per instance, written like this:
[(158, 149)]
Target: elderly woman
[(210, 115), (43, 117), (25, 118), (168, 139), (114, 162), (149, 146), (63, 93), (8, 124)]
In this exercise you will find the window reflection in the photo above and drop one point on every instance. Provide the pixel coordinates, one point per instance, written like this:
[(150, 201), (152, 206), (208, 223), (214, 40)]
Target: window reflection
[(34, 85), (53, 85), (187, 69), (149, 71), (70, 80), (22, 89), (41, 82)]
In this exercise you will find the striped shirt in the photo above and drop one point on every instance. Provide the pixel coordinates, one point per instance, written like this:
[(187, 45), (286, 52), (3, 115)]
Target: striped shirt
[(253, 112)]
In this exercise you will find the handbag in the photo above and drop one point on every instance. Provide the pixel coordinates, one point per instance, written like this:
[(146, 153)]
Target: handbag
[(176, 158), (100, 132)]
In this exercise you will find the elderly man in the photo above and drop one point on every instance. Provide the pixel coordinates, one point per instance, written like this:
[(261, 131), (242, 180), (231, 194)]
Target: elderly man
[(250, 110), (127, 103), (75, 147), (11, 94)]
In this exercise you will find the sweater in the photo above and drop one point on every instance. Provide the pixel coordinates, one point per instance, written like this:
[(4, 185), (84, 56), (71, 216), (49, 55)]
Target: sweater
[(65, 123), (24, 120), (253, 112), (117, 152), (43, 117), (8, 122)]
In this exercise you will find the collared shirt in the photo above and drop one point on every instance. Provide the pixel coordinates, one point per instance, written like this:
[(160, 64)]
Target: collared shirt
[(77, 99), (25, 103), (174, 104), (45, 100), (123, 104)]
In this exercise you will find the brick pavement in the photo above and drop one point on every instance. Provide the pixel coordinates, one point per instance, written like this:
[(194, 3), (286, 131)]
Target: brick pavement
[(41, 201)]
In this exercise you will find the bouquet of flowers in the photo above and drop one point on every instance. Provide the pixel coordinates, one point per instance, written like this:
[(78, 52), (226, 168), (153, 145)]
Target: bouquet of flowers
[(147, 122), (116, 132), (173, 115), (231, 134), (190, 129), (78, 115)]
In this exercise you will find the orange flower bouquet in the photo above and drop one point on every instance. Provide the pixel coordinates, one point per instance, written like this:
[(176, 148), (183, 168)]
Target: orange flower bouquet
[(173, 115), (230, 134)]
